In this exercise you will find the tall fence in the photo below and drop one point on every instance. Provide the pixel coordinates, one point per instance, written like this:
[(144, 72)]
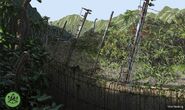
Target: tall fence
[(78, 91)]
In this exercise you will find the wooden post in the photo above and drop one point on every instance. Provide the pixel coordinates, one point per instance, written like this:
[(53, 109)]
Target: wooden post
[(46, 36), (46, 33), (22, 24), (59, 38), (74, 41), (20, 65), (94, 25), (63, 28), (102, 42)]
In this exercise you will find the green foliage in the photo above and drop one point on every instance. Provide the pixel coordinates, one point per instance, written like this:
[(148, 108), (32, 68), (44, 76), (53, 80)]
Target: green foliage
[(89, 42), (8, 14), (161, 48), (33, 81), (160, 58), (115, 48), (52, 107), (122, 21)]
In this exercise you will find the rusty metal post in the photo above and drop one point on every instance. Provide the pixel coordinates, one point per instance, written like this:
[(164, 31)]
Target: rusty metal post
[(94, 25), (62, 31), (59, 38), (20, 66), (74, 41), (46, 38), (88, 11), (102, 42), (137, 39)]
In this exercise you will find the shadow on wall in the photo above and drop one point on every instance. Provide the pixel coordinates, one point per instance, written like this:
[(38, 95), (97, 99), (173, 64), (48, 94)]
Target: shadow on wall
[(69, 85)]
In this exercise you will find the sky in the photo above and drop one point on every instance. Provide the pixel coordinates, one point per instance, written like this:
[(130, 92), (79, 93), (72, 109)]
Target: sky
[(101, 9)]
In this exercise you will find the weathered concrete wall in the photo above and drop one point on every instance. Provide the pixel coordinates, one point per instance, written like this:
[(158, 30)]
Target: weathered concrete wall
[(80, 92)]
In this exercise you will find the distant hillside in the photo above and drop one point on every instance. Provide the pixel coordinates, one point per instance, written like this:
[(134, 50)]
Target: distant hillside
[(72, 23), (166, 14), (160, 58)]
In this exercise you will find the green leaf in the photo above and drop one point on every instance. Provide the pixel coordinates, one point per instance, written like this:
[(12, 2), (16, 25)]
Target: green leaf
[(41, 98)]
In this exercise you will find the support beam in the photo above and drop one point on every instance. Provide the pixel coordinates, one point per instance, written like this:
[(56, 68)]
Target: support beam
[(74, 41), (62, 32), (102, 42), (94, 25), (59, 38), (137, 39)]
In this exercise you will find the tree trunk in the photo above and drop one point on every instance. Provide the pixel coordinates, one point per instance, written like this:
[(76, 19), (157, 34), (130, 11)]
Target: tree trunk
[(22, 23)]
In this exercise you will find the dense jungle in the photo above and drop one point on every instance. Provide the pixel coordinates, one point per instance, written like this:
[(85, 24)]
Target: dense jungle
[(29, 42)]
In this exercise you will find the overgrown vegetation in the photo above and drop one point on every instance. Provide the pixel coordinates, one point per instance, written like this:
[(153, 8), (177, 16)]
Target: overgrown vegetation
[(22, 57), (161, 50), (160, 58)]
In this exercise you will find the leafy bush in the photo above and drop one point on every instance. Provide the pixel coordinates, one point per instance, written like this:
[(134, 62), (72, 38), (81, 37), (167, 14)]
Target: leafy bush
[(33, 80)]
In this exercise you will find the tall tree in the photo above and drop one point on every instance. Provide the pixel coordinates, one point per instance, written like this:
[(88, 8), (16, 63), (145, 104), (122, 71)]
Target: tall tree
[(23, 22)]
